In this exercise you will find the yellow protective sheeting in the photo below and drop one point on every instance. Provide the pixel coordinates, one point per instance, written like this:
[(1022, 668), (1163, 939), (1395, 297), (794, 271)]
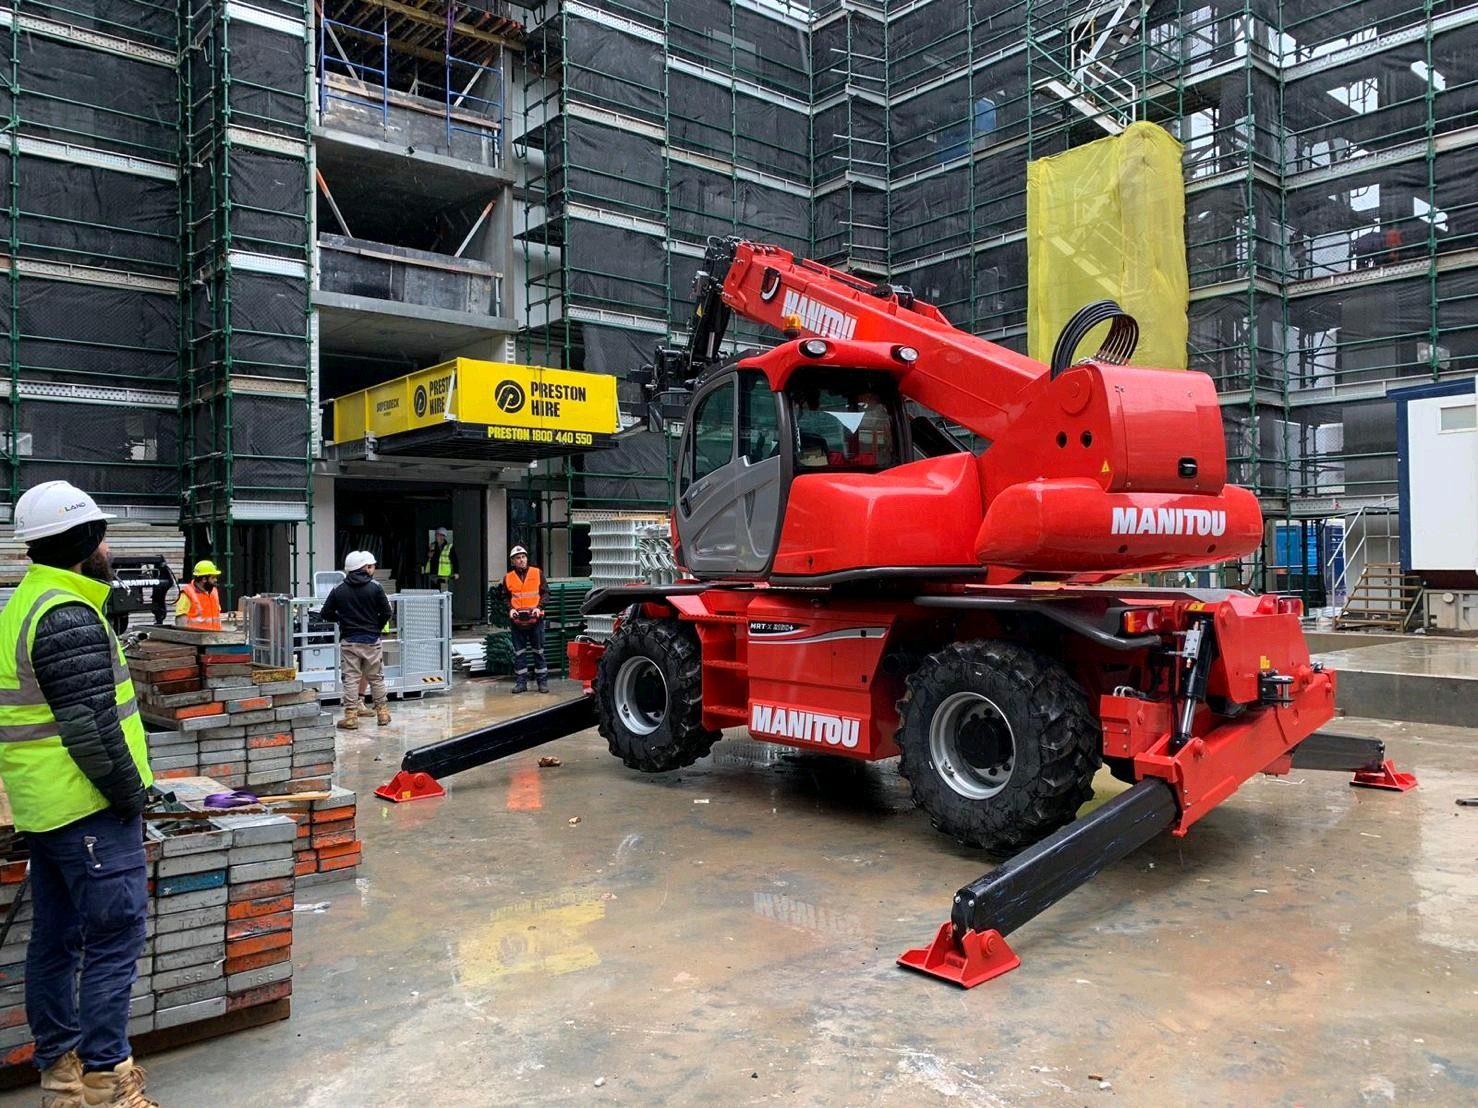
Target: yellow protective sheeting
[(1107, 221)]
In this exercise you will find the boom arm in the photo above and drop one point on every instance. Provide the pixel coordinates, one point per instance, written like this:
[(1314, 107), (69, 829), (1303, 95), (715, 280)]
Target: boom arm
[(974, 382)]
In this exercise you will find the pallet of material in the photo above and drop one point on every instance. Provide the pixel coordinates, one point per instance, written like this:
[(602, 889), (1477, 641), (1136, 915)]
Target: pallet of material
[(211, 712), (327, 846), (218, 952)]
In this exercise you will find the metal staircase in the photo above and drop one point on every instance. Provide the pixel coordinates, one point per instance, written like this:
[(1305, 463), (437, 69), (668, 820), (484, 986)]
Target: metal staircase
[(1089, 83), (1384, 598)]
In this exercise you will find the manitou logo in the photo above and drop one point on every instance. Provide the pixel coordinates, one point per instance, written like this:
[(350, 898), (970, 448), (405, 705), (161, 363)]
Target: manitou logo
[(811, 727), (1168, 521), (815, 316)]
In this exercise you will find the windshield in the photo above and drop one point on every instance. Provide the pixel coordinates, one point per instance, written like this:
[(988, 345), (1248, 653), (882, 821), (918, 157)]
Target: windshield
[(843, 419)]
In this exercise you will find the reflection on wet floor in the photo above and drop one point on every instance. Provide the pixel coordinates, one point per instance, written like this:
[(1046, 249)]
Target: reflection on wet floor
[(726, 934)]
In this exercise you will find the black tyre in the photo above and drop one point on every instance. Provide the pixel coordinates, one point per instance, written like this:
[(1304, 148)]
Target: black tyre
[(998, 744), (649, 695)]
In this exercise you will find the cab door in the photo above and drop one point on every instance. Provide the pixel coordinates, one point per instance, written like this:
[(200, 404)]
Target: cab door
[(706, 507), (730, 478)]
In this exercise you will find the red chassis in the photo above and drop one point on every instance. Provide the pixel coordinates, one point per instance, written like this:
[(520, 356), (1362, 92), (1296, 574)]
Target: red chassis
[(819, 677)]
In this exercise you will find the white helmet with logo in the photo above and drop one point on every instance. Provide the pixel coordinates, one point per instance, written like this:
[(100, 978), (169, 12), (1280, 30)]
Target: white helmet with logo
[(516, 551), (51, 508)]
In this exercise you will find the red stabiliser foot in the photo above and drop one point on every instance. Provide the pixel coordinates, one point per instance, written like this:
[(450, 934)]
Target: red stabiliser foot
[(410, 786), (979, 956), (1387, 777)]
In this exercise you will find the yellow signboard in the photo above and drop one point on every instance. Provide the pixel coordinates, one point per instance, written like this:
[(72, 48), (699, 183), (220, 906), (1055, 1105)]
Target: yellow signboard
[(516, 403)]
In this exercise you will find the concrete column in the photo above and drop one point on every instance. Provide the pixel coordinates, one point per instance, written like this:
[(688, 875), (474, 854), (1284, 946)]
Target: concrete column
[(496, 515)]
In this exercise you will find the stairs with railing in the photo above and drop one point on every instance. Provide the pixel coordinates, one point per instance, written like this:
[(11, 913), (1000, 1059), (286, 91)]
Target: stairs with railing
[(1384, 598)]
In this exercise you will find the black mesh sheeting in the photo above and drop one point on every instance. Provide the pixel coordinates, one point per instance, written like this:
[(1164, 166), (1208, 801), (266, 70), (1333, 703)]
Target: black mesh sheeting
[(268, 317), (614, 351), (269, 198), (927, 42), (96, 335), (1457, 319), (773, 52), (86, 215), (702, 202), (604, 166), (73, 94), (269, 437), (606, 67), (638, 463), (616, 268), (931, 215), (770, 215), (1000, 286), (1216, 233), (111, 451), (152, 24), (773, 138), (700, 116), (268, 79)]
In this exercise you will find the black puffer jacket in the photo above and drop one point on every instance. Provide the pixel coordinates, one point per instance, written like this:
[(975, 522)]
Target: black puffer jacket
[(73, 656), (358, 605)]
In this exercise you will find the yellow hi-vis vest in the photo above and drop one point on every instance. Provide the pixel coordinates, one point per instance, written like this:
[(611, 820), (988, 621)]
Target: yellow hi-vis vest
[(47, 790), (442, 563)]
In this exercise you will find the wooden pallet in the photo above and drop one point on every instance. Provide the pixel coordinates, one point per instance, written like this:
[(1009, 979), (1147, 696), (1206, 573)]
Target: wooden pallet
[(155, 1042), (1385, 598)]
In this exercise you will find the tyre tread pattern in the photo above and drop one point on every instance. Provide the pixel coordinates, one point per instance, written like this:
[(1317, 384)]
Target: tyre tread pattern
[(1066, 734), (681, 739)]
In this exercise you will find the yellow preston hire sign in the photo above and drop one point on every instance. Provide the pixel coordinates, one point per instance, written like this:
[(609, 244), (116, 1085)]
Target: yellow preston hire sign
[(516, 404)]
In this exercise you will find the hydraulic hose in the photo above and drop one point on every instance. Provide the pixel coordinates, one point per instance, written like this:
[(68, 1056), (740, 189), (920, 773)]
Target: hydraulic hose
[(1118, 345)]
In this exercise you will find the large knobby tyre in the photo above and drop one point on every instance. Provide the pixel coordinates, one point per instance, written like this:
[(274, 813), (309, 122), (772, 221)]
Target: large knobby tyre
[(998, 743), (649, 696)]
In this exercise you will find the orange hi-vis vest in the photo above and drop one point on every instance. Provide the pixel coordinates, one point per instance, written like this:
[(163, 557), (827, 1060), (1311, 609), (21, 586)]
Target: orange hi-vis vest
[(205, 608), (525, 593)]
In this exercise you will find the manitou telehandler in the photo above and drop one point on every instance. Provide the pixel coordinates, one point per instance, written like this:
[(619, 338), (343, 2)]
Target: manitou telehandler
[(864, 583)]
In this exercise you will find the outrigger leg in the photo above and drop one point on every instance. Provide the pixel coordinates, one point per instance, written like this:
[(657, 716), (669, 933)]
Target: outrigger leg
[(421, 768), (971, 948)]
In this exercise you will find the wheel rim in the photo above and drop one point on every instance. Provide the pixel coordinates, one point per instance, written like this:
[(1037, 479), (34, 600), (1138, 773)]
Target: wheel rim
[(972, 745), (641, 695)]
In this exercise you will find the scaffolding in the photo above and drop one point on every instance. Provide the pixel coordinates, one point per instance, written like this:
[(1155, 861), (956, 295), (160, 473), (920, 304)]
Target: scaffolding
[(245, 446), (647, 127), (89, 223)]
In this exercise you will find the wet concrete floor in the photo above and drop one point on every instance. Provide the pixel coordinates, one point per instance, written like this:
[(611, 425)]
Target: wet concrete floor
[(726, 935)]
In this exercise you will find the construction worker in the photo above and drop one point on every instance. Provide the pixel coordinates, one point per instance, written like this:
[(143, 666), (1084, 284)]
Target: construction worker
[(441, 561), (74, 760), (361, 609), (199, 605), (525, 592)]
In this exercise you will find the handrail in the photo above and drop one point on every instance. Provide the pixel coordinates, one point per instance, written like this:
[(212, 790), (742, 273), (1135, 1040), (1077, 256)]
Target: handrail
[(1339, 579)]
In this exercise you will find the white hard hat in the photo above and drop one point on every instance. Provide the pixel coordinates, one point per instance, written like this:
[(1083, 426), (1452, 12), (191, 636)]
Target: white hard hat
[(358, 559), (516, 551), (51, 508)]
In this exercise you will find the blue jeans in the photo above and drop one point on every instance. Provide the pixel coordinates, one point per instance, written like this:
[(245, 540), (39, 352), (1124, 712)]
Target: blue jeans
[(90, 899), (528, 650)]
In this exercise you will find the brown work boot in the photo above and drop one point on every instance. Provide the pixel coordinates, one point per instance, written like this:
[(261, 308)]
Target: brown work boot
[(61, 1082), (350, 722), (367, 712), (382, 714), (120, 1087)]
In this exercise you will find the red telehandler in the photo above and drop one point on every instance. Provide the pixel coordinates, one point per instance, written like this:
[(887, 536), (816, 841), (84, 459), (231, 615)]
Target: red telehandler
[(864, 583)]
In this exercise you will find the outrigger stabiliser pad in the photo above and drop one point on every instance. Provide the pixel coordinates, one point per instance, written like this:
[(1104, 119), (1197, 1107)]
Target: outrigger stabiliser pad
[(971, 948), (422, 769)]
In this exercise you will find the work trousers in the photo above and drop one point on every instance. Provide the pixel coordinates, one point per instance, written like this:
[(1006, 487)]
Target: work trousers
[(366, 661), (441, 584), (90, 901), (528, 652)]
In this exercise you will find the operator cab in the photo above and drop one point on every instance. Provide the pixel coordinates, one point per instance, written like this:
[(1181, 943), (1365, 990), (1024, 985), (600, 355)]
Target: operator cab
[(744, 444)]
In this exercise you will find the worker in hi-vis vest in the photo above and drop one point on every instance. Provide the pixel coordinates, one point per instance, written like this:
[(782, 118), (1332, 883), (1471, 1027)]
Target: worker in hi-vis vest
[(526, 592), (199, 605), (73, 756), (441, 562)]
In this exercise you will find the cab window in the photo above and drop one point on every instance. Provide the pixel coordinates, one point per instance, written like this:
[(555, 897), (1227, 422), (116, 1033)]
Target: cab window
[(759, 419), (713, 432), (844, 420)]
